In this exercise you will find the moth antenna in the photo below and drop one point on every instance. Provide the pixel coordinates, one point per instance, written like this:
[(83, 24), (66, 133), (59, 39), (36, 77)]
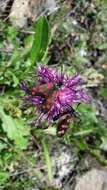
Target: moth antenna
[(78, 105)]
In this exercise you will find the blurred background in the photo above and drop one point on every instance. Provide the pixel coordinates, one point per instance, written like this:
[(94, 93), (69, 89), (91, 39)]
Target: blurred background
[(75, 38)]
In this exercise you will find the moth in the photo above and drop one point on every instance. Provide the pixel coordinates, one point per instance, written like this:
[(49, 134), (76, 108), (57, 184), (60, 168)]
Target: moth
[(49, 92)]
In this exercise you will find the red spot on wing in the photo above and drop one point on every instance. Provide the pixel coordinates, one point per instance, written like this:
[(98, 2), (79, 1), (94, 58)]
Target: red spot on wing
[(46, 94), (34, 90), (49, 101), (48, 106), (49, 86), (55, 93), (62, 132), (41, 89), (64, 126)]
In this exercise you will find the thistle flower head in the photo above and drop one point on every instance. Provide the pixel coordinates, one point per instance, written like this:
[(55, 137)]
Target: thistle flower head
[(69, 91)]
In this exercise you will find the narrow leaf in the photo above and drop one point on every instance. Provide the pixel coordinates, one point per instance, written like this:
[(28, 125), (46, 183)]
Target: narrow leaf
[(47, 159), (41, 40)]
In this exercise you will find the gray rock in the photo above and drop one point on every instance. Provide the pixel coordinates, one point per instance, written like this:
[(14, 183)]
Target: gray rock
[(64, 159), (25, 10), (3, 4), (93, 180)]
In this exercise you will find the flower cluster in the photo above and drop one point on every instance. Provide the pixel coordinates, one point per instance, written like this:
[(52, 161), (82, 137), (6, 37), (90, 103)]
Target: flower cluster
[(70, 91)]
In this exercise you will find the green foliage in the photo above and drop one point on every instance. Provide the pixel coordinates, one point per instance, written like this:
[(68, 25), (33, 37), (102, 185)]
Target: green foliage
[(103, 92), (15, 129), (17, 56), (89, 134), (4, 176)]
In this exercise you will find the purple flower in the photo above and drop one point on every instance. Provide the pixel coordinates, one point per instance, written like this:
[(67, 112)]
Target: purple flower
[(49, 75), (68, 91)]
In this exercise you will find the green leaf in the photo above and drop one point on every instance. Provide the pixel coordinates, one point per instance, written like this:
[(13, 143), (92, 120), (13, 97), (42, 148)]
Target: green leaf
[(41, 40), (15, 57), (80, 143), (9, 73), (2, 146), (15, 129), (104, 143), (103, 92), (47, 160), (50, 131), (102, 45), (3, 177), (83, 132)]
